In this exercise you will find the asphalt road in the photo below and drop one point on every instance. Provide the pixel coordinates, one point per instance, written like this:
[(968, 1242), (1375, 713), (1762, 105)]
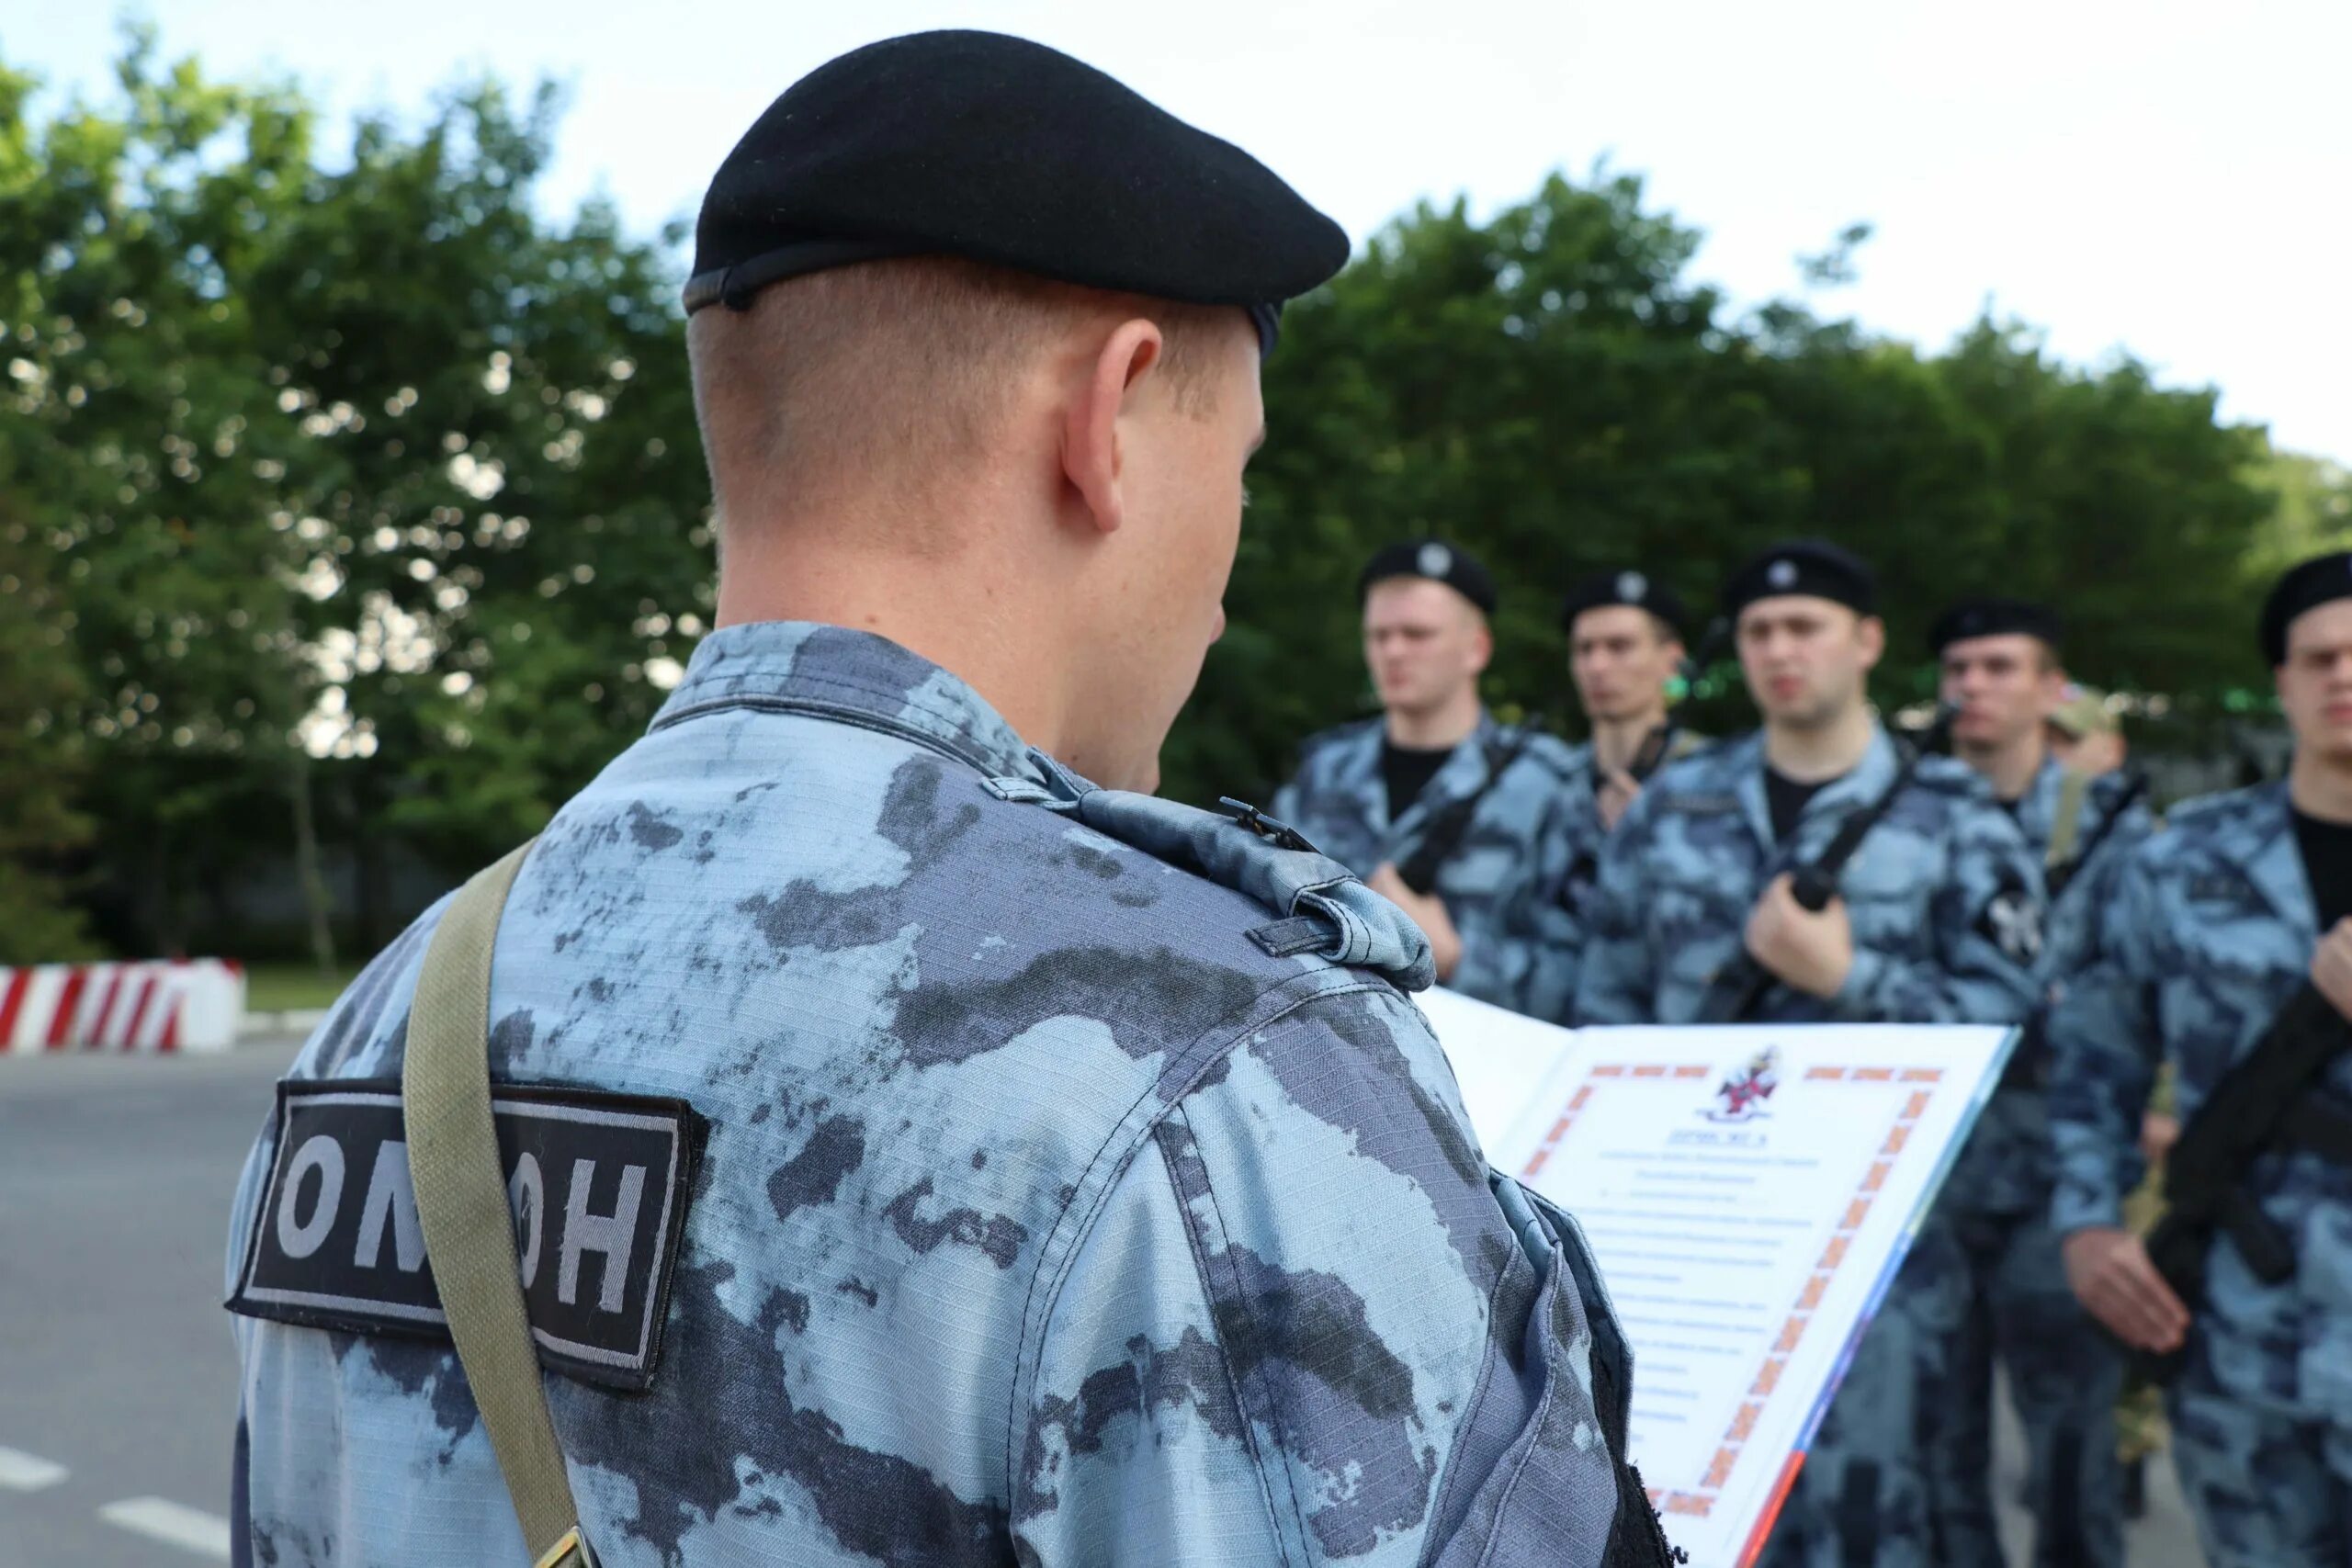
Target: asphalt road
[(118, 1375), (116, 1362)]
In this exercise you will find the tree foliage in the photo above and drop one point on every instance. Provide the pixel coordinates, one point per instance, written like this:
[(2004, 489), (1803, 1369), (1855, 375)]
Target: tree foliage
[(346, 487), (1552, 390)]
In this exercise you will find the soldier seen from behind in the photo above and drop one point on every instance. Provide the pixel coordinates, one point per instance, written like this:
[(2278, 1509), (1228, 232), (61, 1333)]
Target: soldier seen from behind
[(1056, 1175)]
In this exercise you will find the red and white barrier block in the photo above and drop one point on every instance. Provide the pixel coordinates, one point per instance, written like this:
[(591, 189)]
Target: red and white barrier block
[(183, 1004)]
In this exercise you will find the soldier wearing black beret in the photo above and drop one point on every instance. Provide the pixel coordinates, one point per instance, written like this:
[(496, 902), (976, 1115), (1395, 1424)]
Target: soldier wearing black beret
[(2001, 669), (2225, 961), (1628, 635), (930, 1074), (1931, 920), (1458, 818), (2000, 666)]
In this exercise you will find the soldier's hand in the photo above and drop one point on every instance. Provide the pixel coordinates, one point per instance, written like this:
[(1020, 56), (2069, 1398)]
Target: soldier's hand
[(1427, 911), (1616, 792), (2332, 967), (2111, 1276), (2158, 1132), (1811, 952)]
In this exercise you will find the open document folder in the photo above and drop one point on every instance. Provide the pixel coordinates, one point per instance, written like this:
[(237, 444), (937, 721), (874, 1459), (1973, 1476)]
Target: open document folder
[(1749, 1192)]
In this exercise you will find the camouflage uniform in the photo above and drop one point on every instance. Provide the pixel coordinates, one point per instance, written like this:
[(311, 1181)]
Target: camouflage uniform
[(1587, 835), (1080, 1186), (2210, 929), (1933, 896), (2065, 1371), (1502, 885)]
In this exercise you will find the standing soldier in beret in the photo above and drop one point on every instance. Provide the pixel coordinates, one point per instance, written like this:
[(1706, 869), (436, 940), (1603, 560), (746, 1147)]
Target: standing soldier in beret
[(1628, 633), (1934, 923), (2000, 666), (1460, 820), (893, 1146), (2214, 926)]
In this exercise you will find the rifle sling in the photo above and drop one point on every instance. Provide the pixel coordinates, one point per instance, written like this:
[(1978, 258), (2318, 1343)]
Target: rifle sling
[(2073, 786)]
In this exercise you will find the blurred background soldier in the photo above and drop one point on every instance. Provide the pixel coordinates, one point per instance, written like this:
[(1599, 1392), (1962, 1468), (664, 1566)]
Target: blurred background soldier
[(1934, 923), (1463, 821), (2228, 953), (2000, 667), (1628, 633)]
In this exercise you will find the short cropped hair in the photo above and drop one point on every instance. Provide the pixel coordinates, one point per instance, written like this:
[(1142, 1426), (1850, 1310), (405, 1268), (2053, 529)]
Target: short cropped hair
[(896, 367)]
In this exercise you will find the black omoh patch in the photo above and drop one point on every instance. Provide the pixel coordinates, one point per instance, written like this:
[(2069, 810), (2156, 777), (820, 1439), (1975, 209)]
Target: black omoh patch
[(598, 1184)]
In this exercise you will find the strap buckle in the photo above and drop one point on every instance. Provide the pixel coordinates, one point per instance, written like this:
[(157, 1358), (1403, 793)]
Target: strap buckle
[(571, 1550), (1281, 835)]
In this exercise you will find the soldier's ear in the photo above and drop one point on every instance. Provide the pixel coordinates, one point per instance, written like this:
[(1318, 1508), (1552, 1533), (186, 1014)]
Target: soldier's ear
[(1092, 453), (1870, 635)]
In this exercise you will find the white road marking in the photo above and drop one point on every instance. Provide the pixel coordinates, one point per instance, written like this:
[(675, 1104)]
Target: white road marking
[(171, 1524), (21, 1471)]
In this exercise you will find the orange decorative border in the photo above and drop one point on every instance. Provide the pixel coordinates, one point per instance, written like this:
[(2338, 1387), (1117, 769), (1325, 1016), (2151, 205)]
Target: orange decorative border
[(1699, 1504)]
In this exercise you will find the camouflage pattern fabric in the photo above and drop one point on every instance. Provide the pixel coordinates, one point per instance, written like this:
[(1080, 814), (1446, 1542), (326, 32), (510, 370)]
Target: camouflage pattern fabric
[(2065, 1373), (1585, 839), (2268, 1490), (1082, 1186), (1502, 885), (1943, 897), (2210, 929)]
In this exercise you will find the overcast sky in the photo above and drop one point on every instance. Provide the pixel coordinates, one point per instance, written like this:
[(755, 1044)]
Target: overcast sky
[(2168, 178)]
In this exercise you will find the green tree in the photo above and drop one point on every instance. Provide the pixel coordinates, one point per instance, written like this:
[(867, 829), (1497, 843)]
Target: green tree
[(1552, 392), (367, 522), (40, 758)]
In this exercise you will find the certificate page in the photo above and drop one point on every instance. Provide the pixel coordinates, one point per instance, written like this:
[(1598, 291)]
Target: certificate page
[(1748, 1192)]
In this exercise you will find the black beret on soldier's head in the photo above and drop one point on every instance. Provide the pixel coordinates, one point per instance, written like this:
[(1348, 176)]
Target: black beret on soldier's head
[(1995, 618), (1438, 561), (1004, 152), (1637, 590), (1813, 567), (2320, 581)]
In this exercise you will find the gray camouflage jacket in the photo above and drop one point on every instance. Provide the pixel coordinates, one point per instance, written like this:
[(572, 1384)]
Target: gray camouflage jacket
[(1942, 895), (2010, 1165), (1503, 883), (2210, 929), (1080, 1186)]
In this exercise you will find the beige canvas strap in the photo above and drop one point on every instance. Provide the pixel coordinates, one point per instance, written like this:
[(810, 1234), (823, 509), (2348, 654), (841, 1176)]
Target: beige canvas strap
[(2072, 788), (469, 1231)]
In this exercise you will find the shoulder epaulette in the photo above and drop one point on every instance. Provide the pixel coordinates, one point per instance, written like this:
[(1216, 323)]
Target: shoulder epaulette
[(1949, 776), (1548, 750), (2214, 810)]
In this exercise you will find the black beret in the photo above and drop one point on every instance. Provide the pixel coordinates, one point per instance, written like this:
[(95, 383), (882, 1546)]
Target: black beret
[(1638, 589), (1438, 561), (1993, 618), (2317, 581), (1002, 150), (1813, 568)]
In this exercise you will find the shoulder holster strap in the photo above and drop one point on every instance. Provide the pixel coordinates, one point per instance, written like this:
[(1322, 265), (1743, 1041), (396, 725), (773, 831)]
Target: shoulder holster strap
[(469, 1231), (2073, 787)]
